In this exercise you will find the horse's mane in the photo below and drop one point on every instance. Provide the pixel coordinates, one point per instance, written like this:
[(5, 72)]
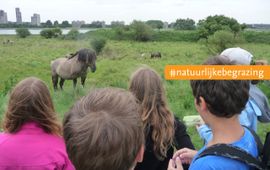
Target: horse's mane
[(72, 55), (85, 54)]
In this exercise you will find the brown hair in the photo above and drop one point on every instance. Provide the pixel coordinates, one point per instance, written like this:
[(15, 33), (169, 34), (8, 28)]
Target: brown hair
[(224, 98), (103, 130), (147, 86), (30, 100)]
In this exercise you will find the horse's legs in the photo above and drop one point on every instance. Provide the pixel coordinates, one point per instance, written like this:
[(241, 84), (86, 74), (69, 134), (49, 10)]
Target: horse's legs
[(62, 83), (74, 83), (83, 80), (55, 81)]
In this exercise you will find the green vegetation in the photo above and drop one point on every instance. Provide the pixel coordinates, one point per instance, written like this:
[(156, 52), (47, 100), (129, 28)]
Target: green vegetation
[(221, 40), (155, 24), (141, 31), (257, 36), (22, 32), (116, 62), (98, 44), (217, 22), (73, 34), (184, 24), (51, 32)]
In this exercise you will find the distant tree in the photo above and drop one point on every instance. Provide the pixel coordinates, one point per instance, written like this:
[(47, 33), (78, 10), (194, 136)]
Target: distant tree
[(184, 24), (22, 32), (158, 24), (243, 26), (97, 24), (142, 31), (65, 24), (215, 23), (49, 23), (55, 24), (117, 24)]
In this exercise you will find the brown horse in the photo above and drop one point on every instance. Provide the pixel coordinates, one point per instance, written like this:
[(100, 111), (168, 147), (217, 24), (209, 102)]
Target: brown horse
[(72, 67)]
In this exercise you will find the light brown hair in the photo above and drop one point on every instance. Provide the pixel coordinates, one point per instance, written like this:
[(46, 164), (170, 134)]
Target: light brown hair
[(30, 100), (103, 130), (147, 86)]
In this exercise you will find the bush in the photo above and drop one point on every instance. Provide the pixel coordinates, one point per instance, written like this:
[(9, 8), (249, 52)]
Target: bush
[(173, 35), (73, 34), (257, 36), (221, 40), (98, 44), (51, 32), (141, 31), (22, 32)]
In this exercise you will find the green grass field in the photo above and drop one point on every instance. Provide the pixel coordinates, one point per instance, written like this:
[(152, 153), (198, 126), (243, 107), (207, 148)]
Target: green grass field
[(32, 56)]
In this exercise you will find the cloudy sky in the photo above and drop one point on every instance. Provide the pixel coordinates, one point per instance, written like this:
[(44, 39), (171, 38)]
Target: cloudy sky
[(245, 11)]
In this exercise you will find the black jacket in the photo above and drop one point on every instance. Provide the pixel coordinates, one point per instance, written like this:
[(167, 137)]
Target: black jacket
[(181, 140)]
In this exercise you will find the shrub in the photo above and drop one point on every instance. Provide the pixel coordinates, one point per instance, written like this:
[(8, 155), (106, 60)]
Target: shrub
[(257, 36), (98, 44), (173, 35), (22, 32), (73, 34), (141, 31), (221, 40), (51, 32)]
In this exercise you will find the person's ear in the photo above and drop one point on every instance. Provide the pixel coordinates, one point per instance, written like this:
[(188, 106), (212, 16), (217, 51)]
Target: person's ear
[(139, 157), (201, 105)]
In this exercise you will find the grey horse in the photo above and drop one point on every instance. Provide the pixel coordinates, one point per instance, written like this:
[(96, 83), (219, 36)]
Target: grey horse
[(72, 67)]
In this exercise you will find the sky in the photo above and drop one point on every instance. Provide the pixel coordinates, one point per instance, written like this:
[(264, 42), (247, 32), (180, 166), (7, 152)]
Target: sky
[(245, 11)]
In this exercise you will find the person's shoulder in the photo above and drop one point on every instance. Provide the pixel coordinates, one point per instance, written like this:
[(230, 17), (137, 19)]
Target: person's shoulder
[(212, 162), (207, 162), (178, 123)]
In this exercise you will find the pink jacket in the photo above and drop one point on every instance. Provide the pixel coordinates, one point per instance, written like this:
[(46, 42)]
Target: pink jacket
[(31, 148)]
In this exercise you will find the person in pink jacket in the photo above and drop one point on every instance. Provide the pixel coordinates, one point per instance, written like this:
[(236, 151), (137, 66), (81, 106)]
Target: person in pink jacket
[(32, 137)]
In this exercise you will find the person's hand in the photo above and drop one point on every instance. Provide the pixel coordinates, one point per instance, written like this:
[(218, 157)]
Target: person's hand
[(186, 155), (175, 165)]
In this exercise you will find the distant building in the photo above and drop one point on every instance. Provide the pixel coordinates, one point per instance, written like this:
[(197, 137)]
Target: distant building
[(3, 17), (18, 16), (35, 20), (77, 24)]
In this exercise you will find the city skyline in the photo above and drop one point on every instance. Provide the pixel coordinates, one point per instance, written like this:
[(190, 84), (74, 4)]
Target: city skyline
[(245, 11)]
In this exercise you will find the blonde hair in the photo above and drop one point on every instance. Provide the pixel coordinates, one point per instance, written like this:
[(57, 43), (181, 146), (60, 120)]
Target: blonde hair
[(147, 86), (30, 100)]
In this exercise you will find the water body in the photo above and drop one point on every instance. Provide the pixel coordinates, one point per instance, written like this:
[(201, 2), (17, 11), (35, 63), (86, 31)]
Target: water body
[(36, 31)]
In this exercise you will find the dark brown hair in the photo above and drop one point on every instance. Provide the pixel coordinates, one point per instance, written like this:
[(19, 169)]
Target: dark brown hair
[(103, 130), (30, 100), (224, 98), (147, 86)]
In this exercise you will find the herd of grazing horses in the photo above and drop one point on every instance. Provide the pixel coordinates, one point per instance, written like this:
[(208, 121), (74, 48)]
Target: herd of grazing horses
[(76, 65)]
